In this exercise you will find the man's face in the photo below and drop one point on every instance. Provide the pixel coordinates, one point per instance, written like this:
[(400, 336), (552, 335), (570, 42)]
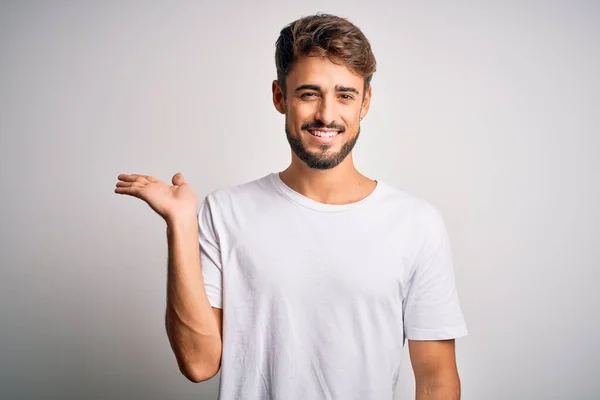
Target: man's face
[(323, 107)]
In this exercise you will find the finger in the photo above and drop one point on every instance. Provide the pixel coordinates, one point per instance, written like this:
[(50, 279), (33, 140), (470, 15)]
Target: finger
[(178, 179), (135, 178), (130, 190), (149, 178), (127, 177), (139, 185), (130, 184)]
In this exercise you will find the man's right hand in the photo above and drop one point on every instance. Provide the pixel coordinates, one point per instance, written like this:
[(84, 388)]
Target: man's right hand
[(169, 201), (194, 328)]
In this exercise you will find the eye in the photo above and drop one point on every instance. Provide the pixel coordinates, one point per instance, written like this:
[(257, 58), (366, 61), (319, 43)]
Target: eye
[(346, 97), (307, 95)]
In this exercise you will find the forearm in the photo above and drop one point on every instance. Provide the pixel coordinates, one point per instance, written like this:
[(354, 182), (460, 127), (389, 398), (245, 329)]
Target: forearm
[(447, 388), (191, 325)]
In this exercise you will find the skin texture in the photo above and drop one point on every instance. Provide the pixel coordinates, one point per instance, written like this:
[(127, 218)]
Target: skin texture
[(326, 102), (194, 327), (436, 373), (320, 93)]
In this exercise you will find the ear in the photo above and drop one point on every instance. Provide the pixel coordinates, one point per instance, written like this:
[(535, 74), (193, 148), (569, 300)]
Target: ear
[(278, 98), (364, 108)]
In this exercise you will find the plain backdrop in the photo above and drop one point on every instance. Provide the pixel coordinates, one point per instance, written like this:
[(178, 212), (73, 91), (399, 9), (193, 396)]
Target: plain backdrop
[(489, 110)]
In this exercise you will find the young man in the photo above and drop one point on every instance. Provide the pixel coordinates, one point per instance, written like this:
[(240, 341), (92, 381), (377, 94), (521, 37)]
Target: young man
[(307, 282)]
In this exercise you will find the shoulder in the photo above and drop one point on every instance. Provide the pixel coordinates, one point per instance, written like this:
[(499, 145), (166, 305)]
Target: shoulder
[(420, 220), (249, 194), (420, 211), (248, 188)]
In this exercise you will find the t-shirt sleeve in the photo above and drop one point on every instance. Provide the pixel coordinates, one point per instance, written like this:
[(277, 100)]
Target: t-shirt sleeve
[(210, 255), (431, 305)]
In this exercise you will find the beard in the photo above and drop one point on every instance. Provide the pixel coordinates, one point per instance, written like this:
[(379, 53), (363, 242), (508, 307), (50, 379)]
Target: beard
[(322, 159)]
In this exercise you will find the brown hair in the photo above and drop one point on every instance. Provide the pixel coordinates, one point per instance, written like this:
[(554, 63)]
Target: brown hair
[(324, 35)]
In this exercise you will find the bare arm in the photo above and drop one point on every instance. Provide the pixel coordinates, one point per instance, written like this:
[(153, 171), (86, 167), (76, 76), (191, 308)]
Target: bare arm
[(436, 373), (193, 326)]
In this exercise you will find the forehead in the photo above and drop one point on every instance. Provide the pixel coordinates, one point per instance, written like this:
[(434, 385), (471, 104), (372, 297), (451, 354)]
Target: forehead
[(322, 72)]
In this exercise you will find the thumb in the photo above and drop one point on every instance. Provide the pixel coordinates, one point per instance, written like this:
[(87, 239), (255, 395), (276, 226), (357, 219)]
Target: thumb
[(178, 179)]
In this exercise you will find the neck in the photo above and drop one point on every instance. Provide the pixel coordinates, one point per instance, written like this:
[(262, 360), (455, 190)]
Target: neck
[(340, 185)]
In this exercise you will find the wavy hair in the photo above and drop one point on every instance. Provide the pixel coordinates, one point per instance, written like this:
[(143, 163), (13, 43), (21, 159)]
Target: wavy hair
[(324, 35)]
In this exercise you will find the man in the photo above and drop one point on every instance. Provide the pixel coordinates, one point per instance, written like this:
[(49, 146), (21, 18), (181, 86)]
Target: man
[(306, 283)]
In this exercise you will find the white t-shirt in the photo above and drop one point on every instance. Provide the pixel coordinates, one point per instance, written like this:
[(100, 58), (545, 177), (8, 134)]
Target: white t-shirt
[(318, 299)]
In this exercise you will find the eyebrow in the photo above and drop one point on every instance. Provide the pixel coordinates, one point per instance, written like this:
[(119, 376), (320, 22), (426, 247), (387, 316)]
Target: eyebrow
[(338, 88)]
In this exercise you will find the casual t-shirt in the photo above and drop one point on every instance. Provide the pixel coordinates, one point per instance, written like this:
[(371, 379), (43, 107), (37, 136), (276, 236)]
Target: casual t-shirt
[(318, 299)]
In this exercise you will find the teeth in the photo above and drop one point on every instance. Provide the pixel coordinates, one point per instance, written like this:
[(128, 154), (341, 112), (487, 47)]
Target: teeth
[(324, 134)]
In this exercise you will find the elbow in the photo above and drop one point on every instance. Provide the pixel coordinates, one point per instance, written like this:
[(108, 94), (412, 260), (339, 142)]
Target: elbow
[(200, 373), (198, 362)]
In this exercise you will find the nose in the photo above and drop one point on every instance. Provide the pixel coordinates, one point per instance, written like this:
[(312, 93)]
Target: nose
[(325, 111)]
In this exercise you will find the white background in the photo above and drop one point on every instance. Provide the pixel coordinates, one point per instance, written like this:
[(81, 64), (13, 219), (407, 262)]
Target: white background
[(489, 110)]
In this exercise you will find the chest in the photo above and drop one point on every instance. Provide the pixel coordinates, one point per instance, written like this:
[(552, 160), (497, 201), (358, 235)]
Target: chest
[(302, 259)]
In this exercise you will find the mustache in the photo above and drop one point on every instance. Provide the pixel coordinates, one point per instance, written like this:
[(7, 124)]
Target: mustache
[(319, 124)]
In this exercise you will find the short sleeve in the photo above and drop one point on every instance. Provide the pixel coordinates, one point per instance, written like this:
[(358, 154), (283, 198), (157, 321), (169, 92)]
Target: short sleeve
[(210, 255), (431, 305)]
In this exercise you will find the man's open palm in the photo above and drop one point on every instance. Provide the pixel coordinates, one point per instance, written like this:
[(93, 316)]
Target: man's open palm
[(167, 200)]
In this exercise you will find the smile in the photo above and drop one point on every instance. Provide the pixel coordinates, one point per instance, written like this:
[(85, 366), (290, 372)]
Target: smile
[(324, 134)]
